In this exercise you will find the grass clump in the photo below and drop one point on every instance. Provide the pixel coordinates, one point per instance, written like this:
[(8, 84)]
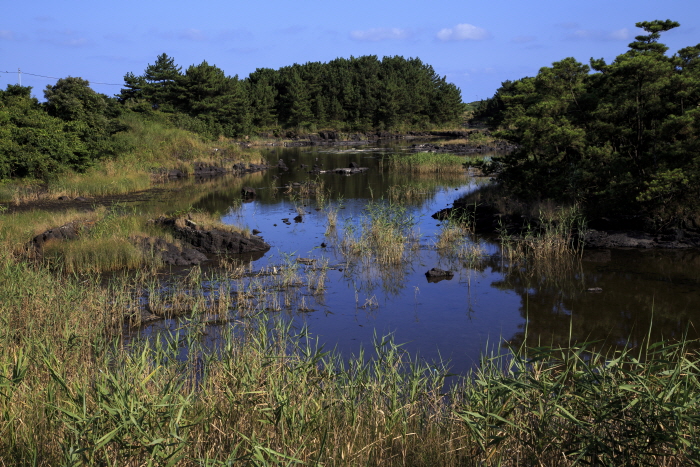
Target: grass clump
[(382, 234), (427, 162), (105, 244), (18, 228), (557, 235), (208, 221)]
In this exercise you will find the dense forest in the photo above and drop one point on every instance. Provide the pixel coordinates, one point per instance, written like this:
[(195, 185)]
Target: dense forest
[(355, 94), (620, 139), (75, 126)]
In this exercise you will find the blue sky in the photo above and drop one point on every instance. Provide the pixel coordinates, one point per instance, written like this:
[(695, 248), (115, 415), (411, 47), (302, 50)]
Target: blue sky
[(477, 45)]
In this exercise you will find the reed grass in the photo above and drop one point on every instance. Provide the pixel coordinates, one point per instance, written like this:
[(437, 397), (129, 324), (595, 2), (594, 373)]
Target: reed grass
[(426, 162), (382, 234), (411, 192), (94, 255), (109, 178), (71, 394), (557, 236), (17, 191), (568, 406)]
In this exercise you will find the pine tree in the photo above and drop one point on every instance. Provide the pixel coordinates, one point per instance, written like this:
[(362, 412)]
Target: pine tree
[(160, 78)]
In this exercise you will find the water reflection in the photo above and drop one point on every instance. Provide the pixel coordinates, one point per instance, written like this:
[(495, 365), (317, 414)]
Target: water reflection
[(486, 302), (614, 296)]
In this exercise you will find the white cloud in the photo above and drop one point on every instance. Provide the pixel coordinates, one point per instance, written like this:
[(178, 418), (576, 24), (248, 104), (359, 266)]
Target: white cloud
[(6, 35), (463, 32), (380, 34), (193, 35)]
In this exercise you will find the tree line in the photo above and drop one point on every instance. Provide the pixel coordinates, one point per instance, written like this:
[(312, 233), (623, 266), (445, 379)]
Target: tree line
[(75, 125), (355, 94), (619, 138)]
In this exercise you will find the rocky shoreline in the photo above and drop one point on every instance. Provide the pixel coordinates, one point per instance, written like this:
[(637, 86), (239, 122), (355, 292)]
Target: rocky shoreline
[(601, 233), (195, 243)]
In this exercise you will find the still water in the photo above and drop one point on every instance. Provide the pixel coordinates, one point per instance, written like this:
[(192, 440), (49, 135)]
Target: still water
[(484, 306)]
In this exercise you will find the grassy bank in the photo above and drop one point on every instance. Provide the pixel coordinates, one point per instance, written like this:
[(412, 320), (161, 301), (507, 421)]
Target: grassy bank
[(108, 238), (73, 393), (149, 150)]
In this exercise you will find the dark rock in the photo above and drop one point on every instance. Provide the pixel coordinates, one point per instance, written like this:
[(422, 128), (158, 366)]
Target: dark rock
[(175, 173), (170, 253), (69, 231), (215, 241), (256, 231), (354, 165), (248, 192), (202, 170), (618, 239), (436, 275)]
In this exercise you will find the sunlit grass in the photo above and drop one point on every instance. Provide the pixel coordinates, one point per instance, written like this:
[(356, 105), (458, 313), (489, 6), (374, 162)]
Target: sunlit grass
[(427, 162), (383, 234), (150, 149)]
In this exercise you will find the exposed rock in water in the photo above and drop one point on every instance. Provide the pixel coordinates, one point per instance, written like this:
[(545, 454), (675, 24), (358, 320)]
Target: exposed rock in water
[(602, 233), (202, 170), (214, 241), (437, 275)]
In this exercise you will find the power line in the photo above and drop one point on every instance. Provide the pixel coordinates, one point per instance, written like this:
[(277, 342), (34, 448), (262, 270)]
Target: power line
[(53, 77)]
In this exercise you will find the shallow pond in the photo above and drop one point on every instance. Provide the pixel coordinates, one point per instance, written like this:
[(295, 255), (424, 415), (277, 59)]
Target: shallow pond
[(484, 305)]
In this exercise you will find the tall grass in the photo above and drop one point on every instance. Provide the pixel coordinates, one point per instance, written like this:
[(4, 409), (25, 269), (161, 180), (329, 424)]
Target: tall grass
[(426, 162), (456, 240), (73, 394), (576, 406), (557, 236), (106, 243), (18, 228), (382, 234), (108, 178)]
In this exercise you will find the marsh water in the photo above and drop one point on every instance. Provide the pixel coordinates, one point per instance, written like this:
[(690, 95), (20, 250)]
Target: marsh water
[(484, 306)]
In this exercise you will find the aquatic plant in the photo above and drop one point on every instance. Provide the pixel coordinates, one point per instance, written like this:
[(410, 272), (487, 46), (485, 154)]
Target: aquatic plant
[(427, 162), (558, 234), (382, 234)]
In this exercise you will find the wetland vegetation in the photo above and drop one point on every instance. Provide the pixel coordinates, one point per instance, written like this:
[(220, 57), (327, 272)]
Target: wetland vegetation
[(228, 374), (332, 348)]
